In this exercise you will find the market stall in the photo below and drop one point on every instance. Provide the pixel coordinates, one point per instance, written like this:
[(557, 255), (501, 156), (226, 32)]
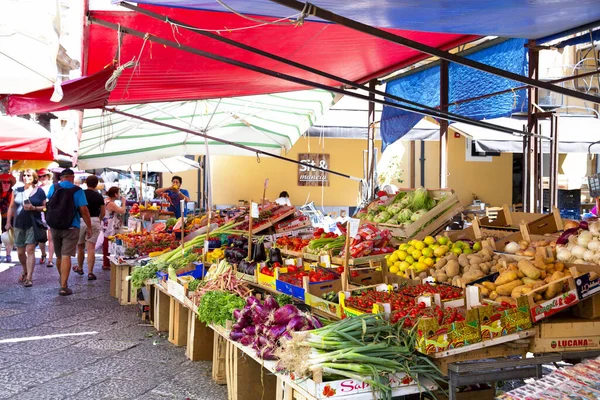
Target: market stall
[(457, 309)]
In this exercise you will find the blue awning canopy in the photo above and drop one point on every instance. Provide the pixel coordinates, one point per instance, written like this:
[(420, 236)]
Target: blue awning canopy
[(464, 83), (506, 18)]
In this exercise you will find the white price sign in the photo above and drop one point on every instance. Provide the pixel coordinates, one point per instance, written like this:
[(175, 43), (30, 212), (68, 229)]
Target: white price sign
[(254, 211), (354, 224)]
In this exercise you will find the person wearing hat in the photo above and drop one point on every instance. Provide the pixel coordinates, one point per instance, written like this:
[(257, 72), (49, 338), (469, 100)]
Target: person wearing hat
[(65, 240), (45, 183), (7, 181)]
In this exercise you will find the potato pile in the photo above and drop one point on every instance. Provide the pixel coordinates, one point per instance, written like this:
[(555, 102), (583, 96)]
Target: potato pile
[(527, 249), (465, 268), (525, 277)]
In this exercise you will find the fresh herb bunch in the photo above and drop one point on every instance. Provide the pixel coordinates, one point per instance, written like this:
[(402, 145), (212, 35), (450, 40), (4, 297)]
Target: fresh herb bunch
[(284, 299), (194, 284), (217, 307)]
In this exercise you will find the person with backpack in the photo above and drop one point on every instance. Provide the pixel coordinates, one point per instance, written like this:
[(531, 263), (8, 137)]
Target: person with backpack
[(66, 205)]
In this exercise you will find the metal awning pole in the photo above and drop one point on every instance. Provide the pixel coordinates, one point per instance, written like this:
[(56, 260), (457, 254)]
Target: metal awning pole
[(444, 55), (241, 146), (371, 143), (265, 71), (444, 81)]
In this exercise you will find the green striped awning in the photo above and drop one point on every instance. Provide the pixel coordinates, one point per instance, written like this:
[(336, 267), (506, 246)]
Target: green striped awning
[(271, 123)]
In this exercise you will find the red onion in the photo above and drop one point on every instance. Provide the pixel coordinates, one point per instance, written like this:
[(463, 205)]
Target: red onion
[(564, 238), (247, 340), (584, 225), (236, 314), (259, 314), (296, 323), (270, 303), (236, 336), (267, 353), (249, 330), (283, 315), (251, 300), (275, 332)]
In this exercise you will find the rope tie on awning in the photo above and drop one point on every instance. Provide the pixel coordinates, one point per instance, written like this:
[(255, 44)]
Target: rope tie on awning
[(111, 83)]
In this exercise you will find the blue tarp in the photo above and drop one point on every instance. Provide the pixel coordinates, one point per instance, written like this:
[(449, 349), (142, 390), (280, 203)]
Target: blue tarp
[(505, 18), (464, 82)]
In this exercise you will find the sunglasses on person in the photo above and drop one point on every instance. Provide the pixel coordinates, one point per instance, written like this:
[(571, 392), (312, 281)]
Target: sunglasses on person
[(5, 182), (27, 175)]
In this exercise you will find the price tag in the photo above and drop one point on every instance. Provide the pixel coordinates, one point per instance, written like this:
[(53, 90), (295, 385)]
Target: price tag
[(325, 260), (205, 247), (354, 224), (266, 183), (255, 213)]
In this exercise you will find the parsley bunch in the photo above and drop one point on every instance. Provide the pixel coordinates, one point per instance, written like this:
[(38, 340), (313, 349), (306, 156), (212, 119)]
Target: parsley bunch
[(217, 307)]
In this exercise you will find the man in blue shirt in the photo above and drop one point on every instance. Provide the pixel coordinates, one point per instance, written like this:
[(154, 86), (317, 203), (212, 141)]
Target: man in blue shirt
[(65, 240), (176, 194)]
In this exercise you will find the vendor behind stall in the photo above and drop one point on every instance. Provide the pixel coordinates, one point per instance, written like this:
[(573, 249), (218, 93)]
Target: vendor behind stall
[(176, 194)]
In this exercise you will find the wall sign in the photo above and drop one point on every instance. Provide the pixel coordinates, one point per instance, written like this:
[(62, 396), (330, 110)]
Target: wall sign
[(308, 176)]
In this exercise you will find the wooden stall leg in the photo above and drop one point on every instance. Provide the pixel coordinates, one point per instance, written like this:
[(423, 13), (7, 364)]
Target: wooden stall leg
[(249, 380), (219, 374), (199, 339), (161, 311), (125, 290), (178, 320), (113, 280)]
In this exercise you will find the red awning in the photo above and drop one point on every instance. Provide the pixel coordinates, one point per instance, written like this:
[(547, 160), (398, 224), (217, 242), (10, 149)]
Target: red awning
[(21, 139), (86, 92), (168, 74)]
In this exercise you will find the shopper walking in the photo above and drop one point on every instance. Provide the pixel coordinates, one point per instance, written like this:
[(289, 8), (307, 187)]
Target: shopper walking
[(97, 210), (113, 221), (66, 206), (26, 208), (7, 181), (45, 183)]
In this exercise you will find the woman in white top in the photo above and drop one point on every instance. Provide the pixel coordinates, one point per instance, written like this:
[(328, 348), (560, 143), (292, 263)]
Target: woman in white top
[(284, 199), (112, 222)]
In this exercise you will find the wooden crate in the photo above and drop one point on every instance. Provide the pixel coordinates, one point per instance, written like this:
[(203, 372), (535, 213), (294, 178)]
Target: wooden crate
[(538, 224), (200, 339), (566, 334), (588, 308), (162, 309), (498, 351), (433, 221), (178, 323), (246, 378), (219, 359), (120, 287)]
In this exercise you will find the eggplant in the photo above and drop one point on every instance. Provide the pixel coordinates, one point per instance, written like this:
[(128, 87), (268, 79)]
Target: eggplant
[(275, 255), (259, 253)]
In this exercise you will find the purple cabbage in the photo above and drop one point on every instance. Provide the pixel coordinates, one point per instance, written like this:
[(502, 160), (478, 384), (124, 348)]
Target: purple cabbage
[(283, 315), (236, 336)]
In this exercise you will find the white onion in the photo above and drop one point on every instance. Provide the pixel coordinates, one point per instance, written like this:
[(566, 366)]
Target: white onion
[(594, 245), (564, 255), (588, 255), (594, 228), (578, 251), (584, 238), (512, 247), (571, 245)]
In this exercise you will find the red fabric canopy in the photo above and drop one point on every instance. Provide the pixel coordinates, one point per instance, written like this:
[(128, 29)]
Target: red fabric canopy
[(168, 74), (86, 92), (21, 139)]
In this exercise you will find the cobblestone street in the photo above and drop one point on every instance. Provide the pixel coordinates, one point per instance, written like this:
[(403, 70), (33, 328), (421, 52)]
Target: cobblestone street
[(87, 346)]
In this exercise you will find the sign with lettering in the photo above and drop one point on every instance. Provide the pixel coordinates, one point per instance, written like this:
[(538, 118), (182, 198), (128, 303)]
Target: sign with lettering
[(308, 176)]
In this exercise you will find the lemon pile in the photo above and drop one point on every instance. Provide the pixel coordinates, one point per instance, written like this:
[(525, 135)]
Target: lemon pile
[(421, 255)]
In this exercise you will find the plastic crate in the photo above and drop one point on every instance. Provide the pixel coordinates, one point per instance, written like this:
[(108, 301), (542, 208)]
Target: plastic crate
[(594, 185), (570, 214), (567, 199)]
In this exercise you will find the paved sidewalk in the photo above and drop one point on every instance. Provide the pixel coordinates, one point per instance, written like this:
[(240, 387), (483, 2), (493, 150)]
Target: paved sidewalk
[(114, 357)]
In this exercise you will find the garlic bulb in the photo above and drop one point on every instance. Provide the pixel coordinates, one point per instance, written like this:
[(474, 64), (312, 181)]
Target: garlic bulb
[(563, 255), (512, 247), (584, 238), (578, 251), (588, 255)]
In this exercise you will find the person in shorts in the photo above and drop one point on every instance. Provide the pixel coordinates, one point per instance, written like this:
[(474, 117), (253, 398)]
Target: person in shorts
[(65, 240), (97, 210)]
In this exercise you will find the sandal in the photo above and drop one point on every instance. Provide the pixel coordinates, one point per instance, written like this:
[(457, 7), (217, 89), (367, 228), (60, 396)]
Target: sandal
[(65, 291), (91, 277), (43, 259), (50, 265), (22, 277), (78, 270), (27, 283)]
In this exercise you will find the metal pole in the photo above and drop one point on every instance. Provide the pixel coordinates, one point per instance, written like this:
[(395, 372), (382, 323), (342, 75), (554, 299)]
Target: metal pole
[(444, 82), (555, 144), (265, 71), (525, 173), (532, 99), (371, 142), (358, 26), (422, 159), (412, 164)]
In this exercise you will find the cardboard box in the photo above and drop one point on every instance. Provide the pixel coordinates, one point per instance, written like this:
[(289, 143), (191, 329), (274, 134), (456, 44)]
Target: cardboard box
[(339, 389), (316, 288), (562, 334), (495, 324), (367, 278), (554, 305), (433, 338)]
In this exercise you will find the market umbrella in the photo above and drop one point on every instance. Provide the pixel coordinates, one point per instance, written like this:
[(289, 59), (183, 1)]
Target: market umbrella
[(270, 123), (172, 164), (21, 139), (33, 164)]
